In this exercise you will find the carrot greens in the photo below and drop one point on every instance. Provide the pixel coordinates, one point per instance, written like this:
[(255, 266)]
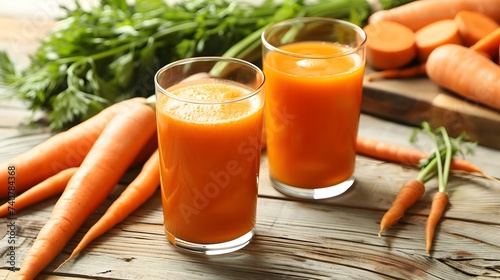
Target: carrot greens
[(97, 57)]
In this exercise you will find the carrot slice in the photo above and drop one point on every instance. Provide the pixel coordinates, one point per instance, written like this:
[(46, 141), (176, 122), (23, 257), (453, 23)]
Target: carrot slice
[(489, 44), (473, 26), (434, 35), (389, 45)]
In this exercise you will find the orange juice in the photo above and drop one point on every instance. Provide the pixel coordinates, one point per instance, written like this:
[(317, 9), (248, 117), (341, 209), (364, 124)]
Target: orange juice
[(210, 161), (312, 113)]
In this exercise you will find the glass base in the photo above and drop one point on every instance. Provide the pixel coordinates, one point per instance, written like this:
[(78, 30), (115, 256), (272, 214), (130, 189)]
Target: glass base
[(212, 249), (320, 193)]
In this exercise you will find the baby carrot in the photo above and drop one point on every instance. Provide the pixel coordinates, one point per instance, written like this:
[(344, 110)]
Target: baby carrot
[(48, 188), (411, 191), (436, 34), (389, 45), (63, 150), (102, 168), (137, 192), (407, 155), (440, 199), (439, 203)]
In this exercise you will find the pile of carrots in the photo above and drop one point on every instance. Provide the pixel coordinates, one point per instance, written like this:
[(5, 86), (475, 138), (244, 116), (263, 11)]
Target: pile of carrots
[(83, 165), (456, 43)]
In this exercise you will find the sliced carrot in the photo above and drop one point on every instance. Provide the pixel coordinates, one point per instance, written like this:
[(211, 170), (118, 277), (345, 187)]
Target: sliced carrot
[(63, 150), (50, 187), (434, 35), (389, 45), (136, 193), (473, 26), (489, 44), (417, 14), (102, 168), (406, 72), (411, 191), (466, 73), (439, 203)]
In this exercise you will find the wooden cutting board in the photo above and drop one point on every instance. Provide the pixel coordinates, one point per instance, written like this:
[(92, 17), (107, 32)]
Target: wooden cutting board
[(411, 101)]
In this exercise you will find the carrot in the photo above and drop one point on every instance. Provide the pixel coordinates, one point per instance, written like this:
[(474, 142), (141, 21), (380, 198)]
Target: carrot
[(407, 72), (485, 47), (436, 34), (439, 203), (473, 26), (104, 165), (48, 188), (418, 14), (63, 150), (407, 155), (489, 44), (146, 152), (466, 73), (137, 192), (440, 199), (389, 45), (411, 191)]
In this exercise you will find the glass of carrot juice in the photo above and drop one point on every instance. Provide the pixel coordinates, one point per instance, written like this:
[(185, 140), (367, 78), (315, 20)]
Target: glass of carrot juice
[(210, 119), (314, 71)]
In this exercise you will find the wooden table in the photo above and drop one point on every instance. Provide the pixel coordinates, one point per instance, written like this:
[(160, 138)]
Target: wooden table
[(329, 239)]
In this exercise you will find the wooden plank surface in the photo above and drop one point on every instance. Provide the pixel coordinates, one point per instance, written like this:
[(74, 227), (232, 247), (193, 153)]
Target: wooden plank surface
[(329, 239), (297, 239)]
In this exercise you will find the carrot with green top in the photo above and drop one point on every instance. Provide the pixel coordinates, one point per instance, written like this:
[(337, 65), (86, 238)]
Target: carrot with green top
[(110, 156), (414, 189), (408, 156), (440, 199)]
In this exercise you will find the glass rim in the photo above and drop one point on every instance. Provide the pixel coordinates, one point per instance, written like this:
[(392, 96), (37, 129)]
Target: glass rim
[(213, 59), (286, 22)]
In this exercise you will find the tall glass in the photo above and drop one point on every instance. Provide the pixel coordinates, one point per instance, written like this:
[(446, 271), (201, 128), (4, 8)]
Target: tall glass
[(210, 118), (314, 71)]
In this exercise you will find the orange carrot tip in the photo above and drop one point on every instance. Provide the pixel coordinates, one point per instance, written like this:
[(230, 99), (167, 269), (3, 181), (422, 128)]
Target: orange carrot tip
[(50, 187), (411, 191), (107, 161), (439, 203), (136, 193)]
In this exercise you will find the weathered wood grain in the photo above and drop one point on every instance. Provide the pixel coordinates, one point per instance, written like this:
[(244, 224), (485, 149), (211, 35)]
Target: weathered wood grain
[(330, 239), (295, 240)]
